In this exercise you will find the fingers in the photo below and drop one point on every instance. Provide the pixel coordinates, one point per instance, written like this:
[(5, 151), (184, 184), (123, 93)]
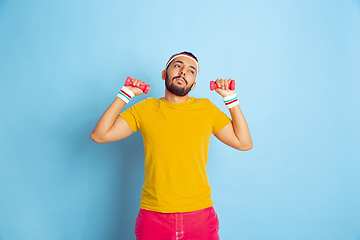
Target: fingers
[(137, 82), (223, 84), (135, 85)]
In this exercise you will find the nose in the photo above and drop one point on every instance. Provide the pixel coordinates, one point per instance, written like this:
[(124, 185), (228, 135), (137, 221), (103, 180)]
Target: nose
[(182, 72)]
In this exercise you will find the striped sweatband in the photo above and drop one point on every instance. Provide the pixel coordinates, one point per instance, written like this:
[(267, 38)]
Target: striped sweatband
[(125, 94), (183, 55), (231, 101)]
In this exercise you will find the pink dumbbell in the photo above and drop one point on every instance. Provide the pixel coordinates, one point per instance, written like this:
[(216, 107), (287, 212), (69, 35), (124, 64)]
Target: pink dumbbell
[(214, 86), (145, 88)]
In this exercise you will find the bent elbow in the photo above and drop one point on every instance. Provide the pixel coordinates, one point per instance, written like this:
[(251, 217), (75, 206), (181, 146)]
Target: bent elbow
[(95, 138), (246, 147)]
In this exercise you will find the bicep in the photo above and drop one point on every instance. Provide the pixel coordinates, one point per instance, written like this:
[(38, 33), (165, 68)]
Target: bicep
[(120, 130), (227, 136)]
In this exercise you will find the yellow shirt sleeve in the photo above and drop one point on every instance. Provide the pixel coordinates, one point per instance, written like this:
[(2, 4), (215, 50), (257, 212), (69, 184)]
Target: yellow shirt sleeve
[(220, 118), (133, 115)]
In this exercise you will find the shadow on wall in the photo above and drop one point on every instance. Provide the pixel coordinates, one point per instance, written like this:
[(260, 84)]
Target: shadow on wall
[(108, 195), (2, 5), (115, 181), (130, 181)]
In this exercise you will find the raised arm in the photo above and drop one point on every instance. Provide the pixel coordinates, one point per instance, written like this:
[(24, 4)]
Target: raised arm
[(111, 126), (236, 134)]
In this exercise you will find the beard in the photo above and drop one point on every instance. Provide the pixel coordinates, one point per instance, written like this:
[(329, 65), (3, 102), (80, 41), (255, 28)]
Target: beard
[(176, 89)]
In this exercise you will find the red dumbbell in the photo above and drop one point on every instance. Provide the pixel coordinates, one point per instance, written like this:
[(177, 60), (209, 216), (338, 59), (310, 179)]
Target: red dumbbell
[(145, 88), (214, 86)]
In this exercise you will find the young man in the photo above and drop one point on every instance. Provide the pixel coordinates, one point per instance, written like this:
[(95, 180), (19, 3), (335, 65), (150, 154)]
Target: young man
[(176, 196)]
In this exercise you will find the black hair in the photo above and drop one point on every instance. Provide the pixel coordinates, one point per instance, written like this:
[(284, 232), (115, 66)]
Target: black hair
[(185, 52)]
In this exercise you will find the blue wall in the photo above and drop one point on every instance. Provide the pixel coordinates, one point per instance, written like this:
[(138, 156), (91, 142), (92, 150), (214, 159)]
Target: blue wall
[(297, 66)]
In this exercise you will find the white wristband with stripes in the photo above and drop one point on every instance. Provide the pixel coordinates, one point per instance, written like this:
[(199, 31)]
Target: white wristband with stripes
[(125, 94), (231, 101)]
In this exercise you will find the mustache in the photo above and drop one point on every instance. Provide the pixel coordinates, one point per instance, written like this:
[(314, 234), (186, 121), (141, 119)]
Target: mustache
[(181, 78)]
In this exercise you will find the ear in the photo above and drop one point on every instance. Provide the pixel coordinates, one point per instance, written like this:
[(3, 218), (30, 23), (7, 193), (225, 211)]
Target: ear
[(163, 74), (193, 86)]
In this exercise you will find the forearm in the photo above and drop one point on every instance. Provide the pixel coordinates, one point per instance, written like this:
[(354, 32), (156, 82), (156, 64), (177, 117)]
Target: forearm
[(111, 126), (108, 119), (240, 127), (236, 134)]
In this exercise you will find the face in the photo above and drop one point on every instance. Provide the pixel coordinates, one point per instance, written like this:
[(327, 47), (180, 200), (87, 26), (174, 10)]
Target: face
[(180, 76)]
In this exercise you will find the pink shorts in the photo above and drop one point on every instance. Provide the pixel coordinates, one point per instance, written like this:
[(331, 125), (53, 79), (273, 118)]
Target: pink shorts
[(202, 224)]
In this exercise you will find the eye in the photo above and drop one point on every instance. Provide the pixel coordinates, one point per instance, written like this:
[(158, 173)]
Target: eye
[(192, 72), (176, 65)]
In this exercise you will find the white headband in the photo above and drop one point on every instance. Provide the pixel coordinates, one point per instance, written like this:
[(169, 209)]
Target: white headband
[(183, 55)]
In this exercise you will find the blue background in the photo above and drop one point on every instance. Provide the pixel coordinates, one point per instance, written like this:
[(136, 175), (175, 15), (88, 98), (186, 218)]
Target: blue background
[(297, 68)]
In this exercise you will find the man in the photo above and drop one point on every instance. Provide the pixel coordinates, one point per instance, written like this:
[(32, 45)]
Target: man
[(175, 200)]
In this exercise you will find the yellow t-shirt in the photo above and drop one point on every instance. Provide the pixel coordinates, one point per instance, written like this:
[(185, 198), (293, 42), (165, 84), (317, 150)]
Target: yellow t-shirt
[(176, 143)]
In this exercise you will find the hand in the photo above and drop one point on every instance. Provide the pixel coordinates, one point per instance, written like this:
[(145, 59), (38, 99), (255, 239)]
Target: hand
[(224, 89), (136, 82)]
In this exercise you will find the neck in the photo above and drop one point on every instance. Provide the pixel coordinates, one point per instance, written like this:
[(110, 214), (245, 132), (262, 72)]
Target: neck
[(170, 97)]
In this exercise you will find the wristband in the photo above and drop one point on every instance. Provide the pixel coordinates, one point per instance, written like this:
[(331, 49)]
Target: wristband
[(231, 101), (125, 94)]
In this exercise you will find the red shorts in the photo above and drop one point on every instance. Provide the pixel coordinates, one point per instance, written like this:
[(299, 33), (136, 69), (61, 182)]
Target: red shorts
[(202, 224)]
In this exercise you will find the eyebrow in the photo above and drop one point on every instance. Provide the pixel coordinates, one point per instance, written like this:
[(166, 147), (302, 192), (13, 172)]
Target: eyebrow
[(183, 63)]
